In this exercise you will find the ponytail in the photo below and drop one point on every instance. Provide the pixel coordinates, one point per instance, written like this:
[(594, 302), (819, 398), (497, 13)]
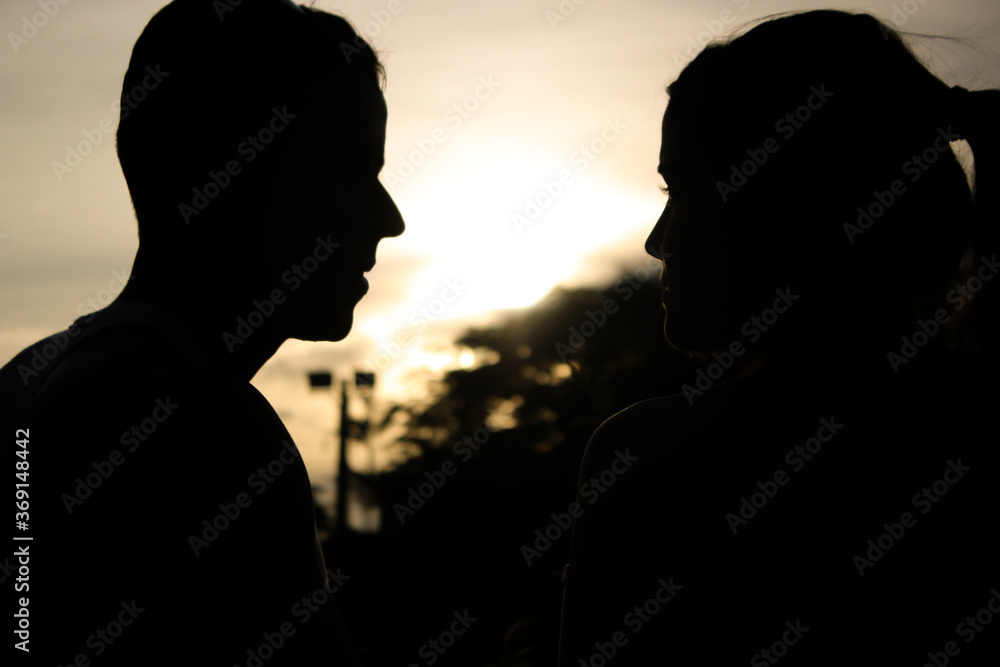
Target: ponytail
[(977, 119), (975, 116)]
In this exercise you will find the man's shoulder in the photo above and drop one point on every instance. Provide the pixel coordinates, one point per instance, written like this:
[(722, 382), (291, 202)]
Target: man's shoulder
[(121, 363), (179, 430), (121, 379)]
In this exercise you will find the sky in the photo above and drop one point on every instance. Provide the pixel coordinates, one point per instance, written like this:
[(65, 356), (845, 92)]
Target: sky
[(521, 149)]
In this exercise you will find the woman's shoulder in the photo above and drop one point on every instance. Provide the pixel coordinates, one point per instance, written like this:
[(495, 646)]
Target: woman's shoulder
[(655, 427)]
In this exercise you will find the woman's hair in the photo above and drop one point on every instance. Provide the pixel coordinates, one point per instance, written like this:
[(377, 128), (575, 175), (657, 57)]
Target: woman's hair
[(205, 76), (824, 142)]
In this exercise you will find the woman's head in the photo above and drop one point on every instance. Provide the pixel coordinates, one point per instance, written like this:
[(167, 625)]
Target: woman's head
[(811, 154)]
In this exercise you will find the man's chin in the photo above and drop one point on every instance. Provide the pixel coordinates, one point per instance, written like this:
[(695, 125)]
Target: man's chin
[(329, 329)]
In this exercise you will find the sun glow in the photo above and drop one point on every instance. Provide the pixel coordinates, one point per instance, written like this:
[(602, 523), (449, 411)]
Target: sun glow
[(503, 230)]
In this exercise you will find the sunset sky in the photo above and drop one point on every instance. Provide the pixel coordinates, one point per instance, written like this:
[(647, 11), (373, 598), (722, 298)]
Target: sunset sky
[(494, 107)]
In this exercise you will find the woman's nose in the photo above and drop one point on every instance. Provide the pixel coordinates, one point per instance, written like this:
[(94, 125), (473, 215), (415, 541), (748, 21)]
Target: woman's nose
[(654, 242)]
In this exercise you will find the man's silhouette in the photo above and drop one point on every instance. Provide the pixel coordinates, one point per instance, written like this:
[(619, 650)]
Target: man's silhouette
[(170, 511)]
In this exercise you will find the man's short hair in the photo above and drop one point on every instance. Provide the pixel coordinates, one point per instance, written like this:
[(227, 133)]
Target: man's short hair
[(206, 75)]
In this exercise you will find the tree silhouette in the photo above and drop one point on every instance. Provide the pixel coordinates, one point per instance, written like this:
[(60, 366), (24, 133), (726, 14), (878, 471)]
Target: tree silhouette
[(498, 453)]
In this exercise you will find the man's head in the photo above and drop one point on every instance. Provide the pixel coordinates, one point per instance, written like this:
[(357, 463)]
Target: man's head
[(251, 137)]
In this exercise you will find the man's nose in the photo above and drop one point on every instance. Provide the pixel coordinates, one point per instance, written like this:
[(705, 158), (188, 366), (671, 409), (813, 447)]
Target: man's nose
[(389, 216)]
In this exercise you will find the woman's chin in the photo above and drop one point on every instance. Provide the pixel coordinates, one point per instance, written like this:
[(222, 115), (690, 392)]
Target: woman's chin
[(691, 340)]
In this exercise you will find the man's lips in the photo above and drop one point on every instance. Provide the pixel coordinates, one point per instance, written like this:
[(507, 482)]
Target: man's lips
[(365, 269)]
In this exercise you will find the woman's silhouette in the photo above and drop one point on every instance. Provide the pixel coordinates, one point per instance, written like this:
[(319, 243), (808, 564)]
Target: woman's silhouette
[(823, 489)]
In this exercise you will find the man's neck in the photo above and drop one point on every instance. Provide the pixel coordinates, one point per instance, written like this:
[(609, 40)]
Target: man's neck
[(212, 329)]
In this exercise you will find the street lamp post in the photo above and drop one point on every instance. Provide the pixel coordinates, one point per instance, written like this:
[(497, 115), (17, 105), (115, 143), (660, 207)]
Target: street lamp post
[(342, 471), (365, 383)]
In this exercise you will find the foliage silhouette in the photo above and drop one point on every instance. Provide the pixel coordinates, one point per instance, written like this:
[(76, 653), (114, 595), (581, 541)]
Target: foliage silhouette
[(462, 547)]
